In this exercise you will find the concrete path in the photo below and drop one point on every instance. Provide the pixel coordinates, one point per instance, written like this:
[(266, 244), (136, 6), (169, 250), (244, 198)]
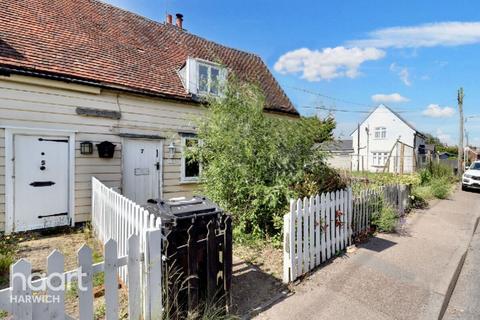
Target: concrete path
[(402, 276), (465, 301)]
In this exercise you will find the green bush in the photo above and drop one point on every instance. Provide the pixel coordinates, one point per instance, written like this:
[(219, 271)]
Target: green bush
[(425, 176), (385, 220), (439, 170), (252, 163), (440, 188)]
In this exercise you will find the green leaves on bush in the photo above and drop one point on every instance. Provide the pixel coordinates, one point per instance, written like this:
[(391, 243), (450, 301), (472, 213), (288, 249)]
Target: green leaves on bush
[(385, 220), (440, 188), (253, 162)]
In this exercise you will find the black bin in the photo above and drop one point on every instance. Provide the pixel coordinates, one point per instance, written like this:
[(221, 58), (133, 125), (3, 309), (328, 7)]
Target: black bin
[(198, 251)]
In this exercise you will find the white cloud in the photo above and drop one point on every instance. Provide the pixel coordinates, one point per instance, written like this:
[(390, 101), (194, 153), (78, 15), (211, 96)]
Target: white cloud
[(444, 137), (424, 35), (326, 64), (389, 98), (403, 73), (435, 111)]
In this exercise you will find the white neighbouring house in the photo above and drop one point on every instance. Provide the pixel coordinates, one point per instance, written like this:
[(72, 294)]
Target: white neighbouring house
[(386, 142)]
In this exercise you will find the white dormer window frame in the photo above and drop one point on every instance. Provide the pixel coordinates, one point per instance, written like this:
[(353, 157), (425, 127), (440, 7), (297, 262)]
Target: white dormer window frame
[(212, 74), (210, 85), (380, 133)]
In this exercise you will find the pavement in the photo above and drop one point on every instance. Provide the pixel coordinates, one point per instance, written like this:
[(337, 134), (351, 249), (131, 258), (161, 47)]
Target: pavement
[(408, 275), (465, 301)]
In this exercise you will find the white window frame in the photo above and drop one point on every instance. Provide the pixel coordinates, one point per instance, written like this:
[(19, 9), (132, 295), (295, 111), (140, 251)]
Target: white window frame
[(379, 158), (183, 178), (209, 67), (380, 133)]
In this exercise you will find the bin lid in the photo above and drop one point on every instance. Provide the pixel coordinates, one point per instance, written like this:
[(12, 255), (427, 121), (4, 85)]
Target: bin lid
[(185, 208)]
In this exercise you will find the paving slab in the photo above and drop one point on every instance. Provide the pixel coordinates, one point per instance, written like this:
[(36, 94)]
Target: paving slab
[(464, 303), (393, 276)]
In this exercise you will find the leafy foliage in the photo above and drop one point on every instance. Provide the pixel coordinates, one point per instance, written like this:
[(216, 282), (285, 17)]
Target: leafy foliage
[(439, 146), (254, 162), (385, 220)]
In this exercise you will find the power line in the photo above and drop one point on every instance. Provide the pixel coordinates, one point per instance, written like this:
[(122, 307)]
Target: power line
[(344, 110), (330, 97)]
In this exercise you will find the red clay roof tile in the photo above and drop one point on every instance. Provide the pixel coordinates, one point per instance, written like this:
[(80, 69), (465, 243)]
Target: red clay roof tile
[(92, 40)]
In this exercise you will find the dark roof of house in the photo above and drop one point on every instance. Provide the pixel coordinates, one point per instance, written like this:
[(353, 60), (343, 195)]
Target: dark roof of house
[(396, 114), (338, 146), (93, 42)]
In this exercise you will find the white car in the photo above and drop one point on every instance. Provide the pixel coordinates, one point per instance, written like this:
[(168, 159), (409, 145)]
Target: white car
[(471, 177)]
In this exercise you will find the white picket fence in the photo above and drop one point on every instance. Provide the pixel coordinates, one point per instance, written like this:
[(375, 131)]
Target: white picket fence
[(319, 227), (117, 217), (44, 298), (315, 229)]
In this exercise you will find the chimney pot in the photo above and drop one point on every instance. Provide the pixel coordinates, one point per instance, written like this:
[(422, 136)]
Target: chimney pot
[(169, 19), (179, 20)]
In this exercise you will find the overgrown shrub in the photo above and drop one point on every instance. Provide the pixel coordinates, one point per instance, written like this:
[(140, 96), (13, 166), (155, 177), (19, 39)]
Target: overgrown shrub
[(440, 188), (320, 178), (385, 220), (439, 170), (252, 163), (425, 176)]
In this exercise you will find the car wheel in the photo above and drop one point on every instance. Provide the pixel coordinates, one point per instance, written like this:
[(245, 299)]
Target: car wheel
[(464, 187)]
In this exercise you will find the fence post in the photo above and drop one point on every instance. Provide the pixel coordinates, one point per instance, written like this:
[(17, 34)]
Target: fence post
[(350, 215), (85, 292), (20, 271), (286, 247), (55, 265), (153, 270), (111, 283), (134, 279), (291, 237), (299, 237)]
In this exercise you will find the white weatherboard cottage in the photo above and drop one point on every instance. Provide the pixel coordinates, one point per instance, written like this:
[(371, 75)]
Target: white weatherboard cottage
[(386, 142), (103, 75)]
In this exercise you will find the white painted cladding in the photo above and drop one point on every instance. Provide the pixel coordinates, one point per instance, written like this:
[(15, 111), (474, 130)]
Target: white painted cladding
[(41, 107), (372, 147)]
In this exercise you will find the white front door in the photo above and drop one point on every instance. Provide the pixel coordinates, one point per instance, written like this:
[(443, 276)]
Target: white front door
[(142, 170), (41, 181)]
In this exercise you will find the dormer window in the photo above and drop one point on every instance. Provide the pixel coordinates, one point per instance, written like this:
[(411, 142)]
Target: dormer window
[(202, 77), (208, 79)]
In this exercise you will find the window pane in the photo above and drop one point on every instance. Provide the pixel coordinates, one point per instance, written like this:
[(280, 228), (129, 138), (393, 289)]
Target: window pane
[(191, 142), (202, 78), (214, 72), (192, 168)]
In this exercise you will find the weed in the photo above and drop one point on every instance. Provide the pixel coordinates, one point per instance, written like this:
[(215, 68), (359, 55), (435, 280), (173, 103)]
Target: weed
[(100, 311), (440, 188), (385, 219)]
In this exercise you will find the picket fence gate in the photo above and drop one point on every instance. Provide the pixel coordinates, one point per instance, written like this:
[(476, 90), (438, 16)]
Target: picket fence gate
[(319, 227), (117, 217), (44, 298), (315, 229)]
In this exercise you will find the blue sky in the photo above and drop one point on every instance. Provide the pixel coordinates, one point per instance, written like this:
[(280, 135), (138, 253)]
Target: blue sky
[(411, 55)]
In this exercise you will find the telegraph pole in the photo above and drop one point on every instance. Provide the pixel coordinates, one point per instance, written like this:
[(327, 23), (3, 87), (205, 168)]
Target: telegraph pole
[(460, 96)]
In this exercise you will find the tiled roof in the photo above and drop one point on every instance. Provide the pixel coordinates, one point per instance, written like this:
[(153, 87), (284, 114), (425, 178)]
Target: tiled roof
[(93, 41)]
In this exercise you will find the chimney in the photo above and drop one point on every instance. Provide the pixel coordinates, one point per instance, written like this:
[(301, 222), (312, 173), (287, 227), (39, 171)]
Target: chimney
[(179, 20), (169, 19)]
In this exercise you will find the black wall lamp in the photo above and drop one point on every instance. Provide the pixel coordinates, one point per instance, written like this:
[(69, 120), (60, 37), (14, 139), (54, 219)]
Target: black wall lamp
[(86, 147)]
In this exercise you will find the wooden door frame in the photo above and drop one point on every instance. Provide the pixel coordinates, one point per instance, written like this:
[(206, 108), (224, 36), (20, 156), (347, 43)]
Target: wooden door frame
[(10, 132), (160, 141)]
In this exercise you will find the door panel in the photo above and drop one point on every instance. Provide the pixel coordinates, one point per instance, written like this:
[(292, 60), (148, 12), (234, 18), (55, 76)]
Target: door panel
[(41, 182), (142, 170)]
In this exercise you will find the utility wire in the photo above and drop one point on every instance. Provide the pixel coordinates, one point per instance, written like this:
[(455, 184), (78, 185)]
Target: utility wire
[(330, 97)]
